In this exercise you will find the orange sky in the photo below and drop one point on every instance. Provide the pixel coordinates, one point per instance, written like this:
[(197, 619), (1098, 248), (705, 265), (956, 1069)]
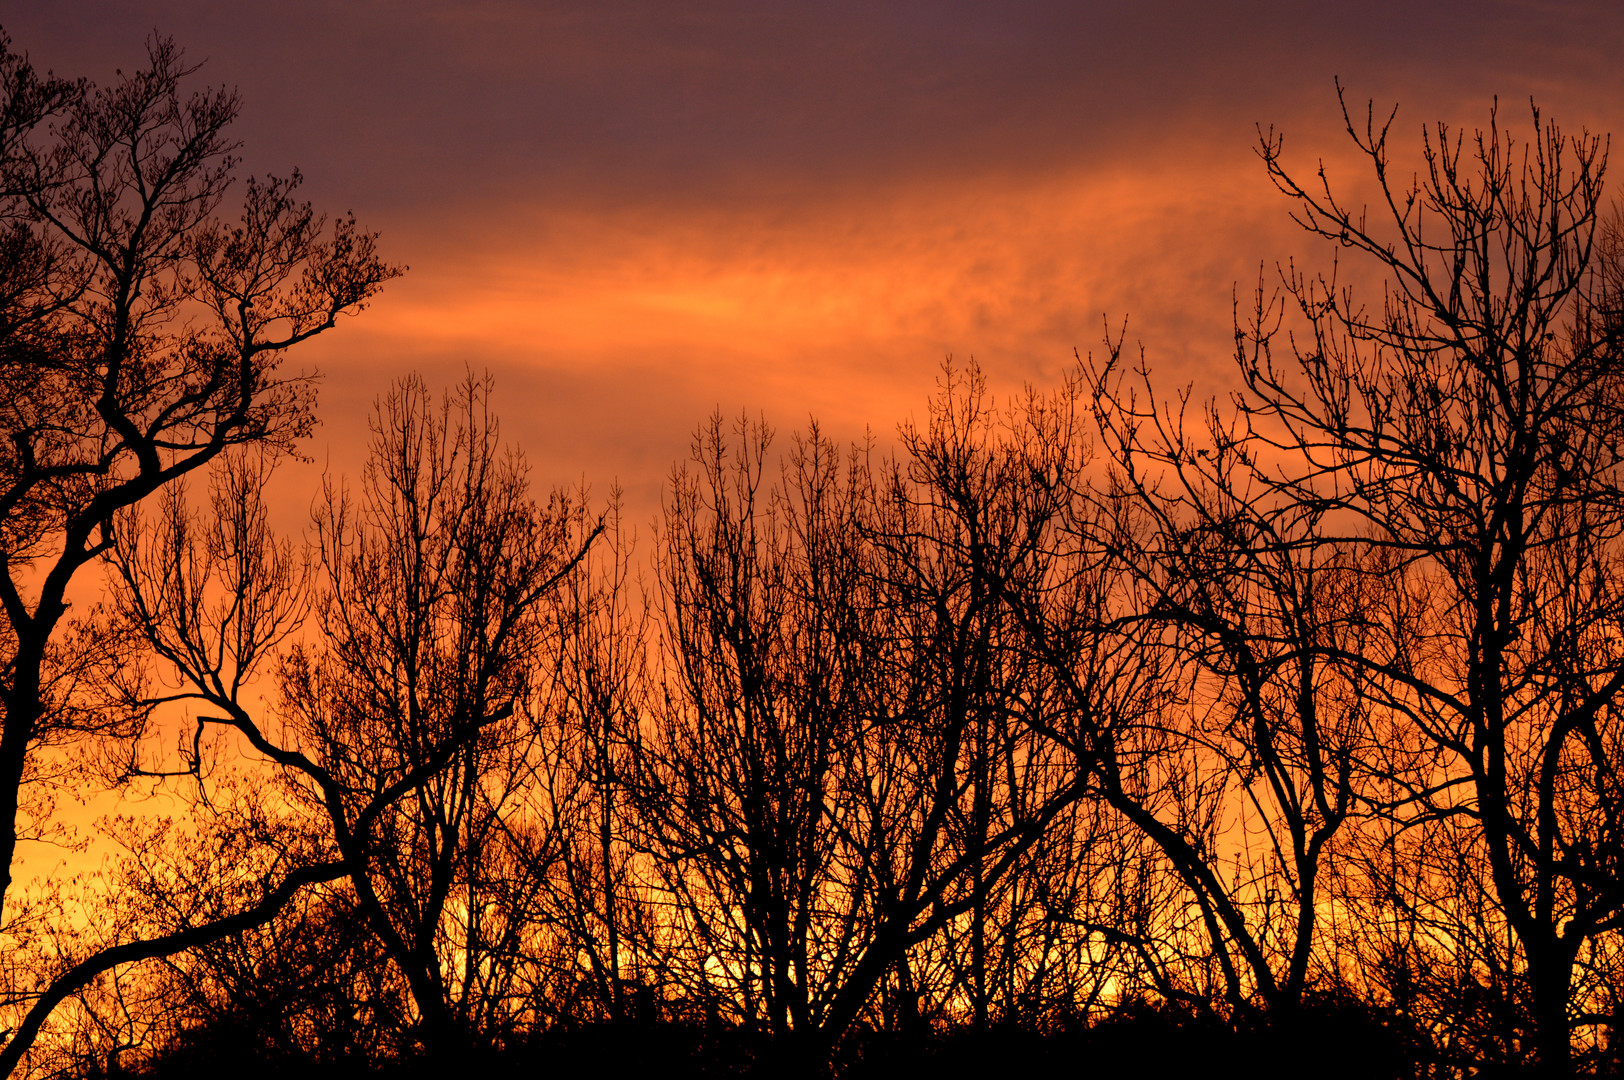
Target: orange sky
[(614, 331), (637, 213)]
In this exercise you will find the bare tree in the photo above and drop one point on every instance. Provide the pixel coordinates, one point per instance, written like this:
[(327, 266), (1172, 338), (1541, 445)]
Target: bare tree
[(309, 986), (140, 337), (408, 648), (595, 704), (739, 776), (859, 745), (432, 616), (1258, 761), (1463, 439)]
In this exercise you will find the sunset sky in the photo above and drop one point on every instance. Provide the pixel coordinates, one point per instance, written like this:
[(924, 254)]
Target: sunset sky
[(637, 213)]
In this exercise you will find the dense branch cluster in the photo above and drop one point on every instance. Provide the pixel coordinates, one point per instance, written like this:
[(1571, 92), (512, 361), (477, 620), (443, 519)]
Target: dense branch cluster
[(1294, 714)]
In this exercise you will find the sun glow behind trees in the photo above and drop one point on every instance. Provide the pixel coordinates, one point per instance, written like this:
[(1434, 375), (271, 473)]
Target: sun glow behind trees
[(1061, 704)]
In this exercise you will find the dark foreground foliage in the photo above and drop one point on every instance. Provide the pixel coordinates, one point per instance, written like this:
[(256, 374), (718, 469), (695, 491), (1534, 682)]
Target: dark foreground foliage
[(1343, 1040)]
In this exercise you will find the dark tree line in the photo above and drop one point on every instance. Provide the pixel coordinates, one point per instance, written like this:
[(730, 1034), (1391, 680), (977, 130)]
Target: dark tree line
[(1097, 711)]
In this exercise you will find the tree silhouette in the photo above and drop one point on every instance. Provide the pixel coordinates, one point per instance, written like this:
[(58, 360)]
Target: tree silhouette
[(1086, 720), (1259, 758), (141, 336), (596, 698), (1462, 440), (432, 616), (858, 746)]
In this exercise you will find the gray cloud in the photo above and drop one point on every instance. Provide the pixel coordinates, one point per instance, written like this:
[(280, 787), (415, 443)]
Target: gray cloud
[(412, 105)]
